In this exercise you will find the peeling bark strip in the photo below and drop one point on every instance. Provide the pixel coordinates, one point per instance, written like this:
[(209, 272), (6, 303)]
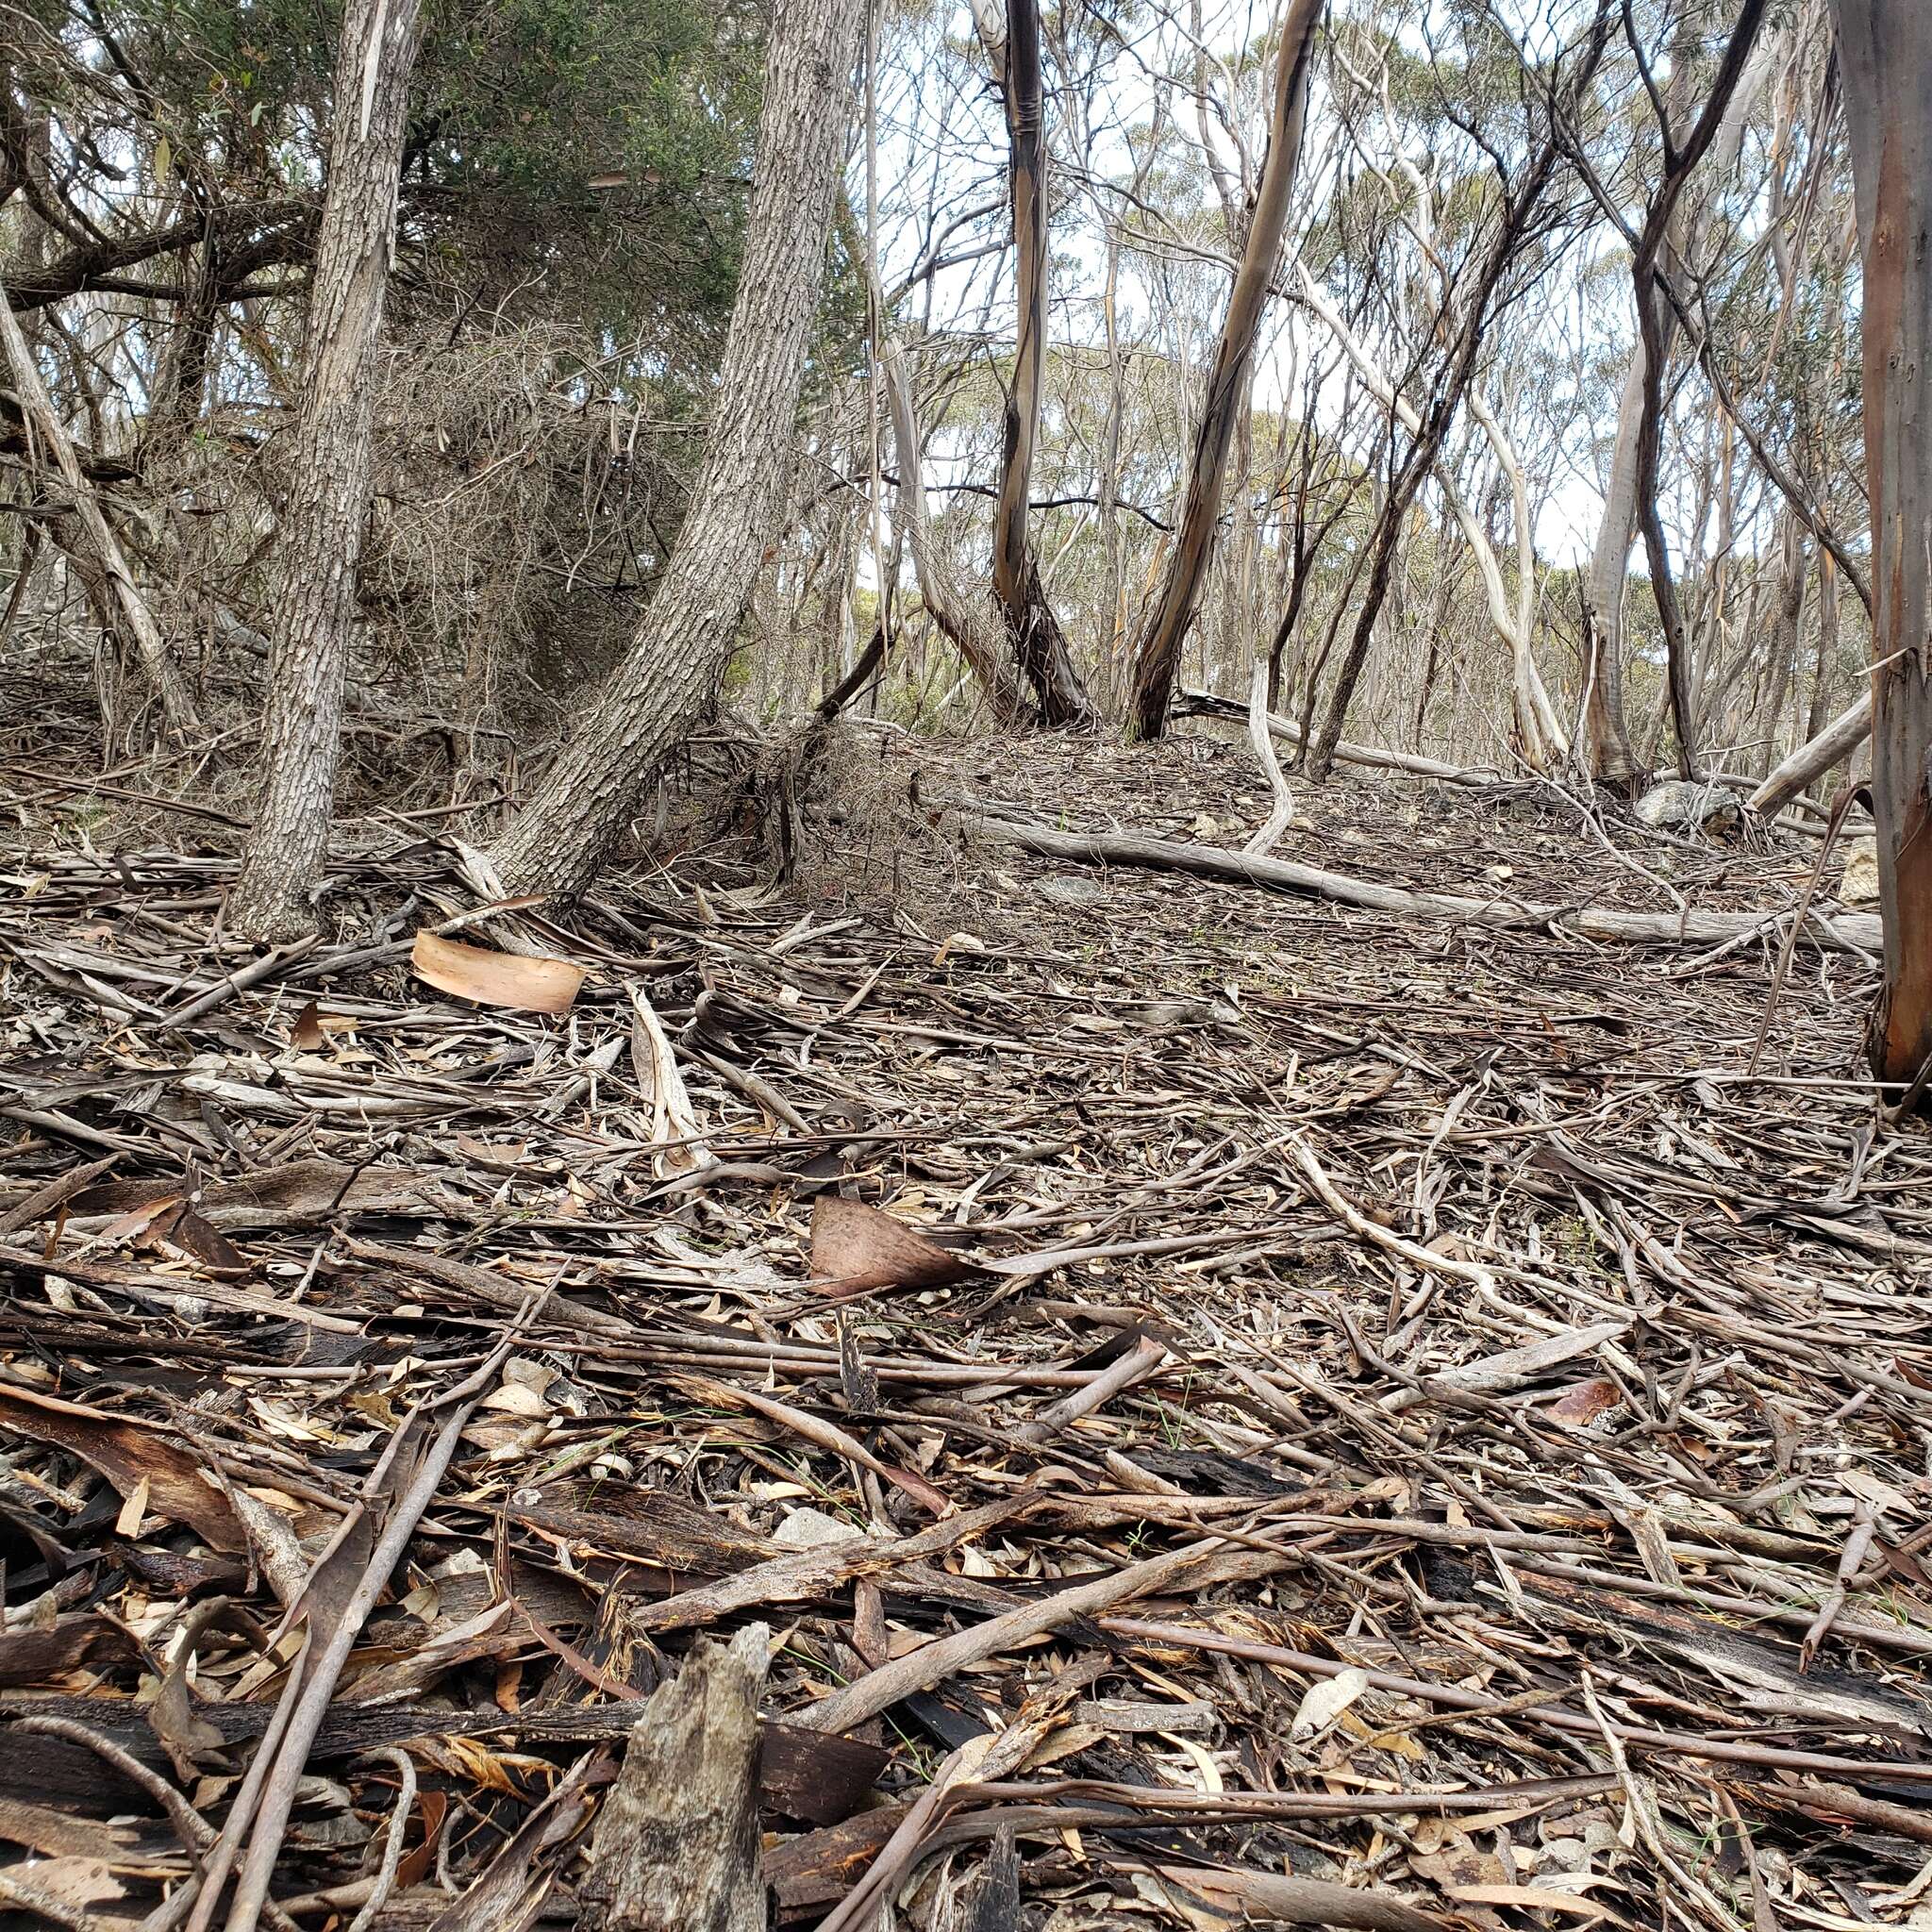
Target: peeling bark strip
[(1884, 55), (1158, 655), (676, 1845), (320, 536), (676, 662)]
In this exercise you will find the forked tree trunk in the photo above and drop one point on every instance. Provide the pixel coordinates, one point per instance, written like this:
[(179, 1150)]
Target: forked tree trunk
[(1613, 759), (1159, 654), (1654, 317), (965, 618), (1037, 641), (320, 534), (1884, 55), (676, 662)]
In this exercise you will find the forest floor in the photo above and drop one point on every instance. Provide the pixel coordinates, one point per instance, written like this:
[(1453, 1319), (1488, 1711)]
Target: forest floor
[(1267, 1409)]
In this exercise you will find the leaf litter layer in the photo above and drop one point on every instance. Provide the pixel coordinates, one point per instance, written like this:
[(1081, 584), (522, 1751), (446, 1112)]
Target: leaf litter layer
[(1224, 1405)]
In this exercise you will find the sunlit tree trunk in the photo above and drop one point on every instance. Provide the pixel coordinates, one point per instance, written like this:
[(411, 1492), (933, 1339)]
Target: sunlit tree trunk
[(1885, 54), (319, 536), (676, 662), (1158, 656)]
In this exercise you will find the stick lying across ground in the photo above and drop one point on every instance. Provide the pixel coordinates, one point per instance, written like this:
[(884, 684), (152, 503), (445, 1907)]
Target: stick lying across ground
[(1850, 932)]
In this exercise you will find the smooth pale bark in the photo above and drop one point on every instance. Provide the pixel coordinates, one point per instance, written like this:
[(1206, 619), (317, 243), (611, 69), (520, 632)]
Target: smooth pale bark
[(1607, 733), (1838, 741), (1158, 654), (113, 590), (1885, 56), (676, 664), (965, 619), (1541, 733), (318, 536)]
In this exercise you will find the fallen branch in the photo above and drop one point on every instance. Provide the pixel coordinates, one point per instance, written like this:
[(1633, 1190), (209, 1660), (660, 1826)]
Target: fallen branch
[(1850, 932), (1207, 703)]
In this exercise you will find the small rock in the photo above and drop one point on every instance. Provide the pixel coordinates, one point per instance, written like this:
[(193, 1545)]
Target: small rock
[(807, 1528), (1860, 885), (1685, 806)]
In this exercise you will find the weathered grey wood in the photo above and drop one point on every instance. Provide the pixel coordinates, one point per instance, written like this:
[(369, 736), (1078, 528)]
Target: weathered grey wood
[(676, 1844), (1847, 931)]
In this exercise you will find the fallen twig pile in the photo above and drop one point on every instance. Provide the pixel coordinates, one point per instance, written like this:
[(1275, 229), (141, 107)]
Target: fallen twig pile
[(1224, 1406)]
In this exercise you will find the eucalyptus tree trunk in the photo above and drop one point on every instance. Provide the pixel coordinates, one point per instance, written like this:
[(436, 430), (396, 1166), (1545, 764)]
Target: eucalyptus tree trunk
[(1654, 317), (965, 619), (1037, 644), (1158, 656), (1884, 55), (1612, 758), (320, 533), (676, 663)]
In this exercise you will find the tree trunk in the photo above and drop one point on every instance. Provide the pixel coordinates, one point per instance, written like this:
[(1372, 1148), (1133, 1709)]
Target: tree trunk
[(320, 534), (1612, 759), (964, 618), (1654, 317), (675, 666), (117, 598), (1783, 640), (1611, 756), (1038, 644), (1157, 657), (1884, 55)]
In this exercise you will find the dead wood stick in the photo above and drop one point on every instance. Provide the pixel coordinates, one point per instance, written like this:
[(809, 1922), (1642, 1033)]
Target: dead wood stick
[(1134, 1366), (1857, 1544), (1856, 933), (933, 1663), (803, 1575), (44, 1200), (268, 1792), (1282, 816), (676, 1843), (267, 967), (1720, 1750)]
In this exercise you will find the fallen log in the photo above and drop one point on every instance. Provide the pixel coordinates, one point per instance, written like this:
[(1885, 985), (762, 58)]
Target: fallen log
[(1849, 932), (1838, 741), (1207, 703)]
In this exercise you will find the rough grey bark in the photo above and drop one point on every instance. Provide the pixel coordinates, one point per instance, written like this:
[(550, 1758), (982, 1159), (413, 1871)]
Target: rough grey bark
[(319, 536), (1885, 56), (676, 1844), (676, 662), (1157, 657), (1793, 573)]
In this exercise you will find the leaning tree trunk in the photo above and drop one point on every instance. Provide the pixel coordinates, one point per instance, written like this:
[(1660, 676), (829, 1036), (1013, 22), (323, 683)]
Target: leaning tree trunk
[(1038, 644), (1884, 55), (320, 532), (676, 662), (1159, 654)]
